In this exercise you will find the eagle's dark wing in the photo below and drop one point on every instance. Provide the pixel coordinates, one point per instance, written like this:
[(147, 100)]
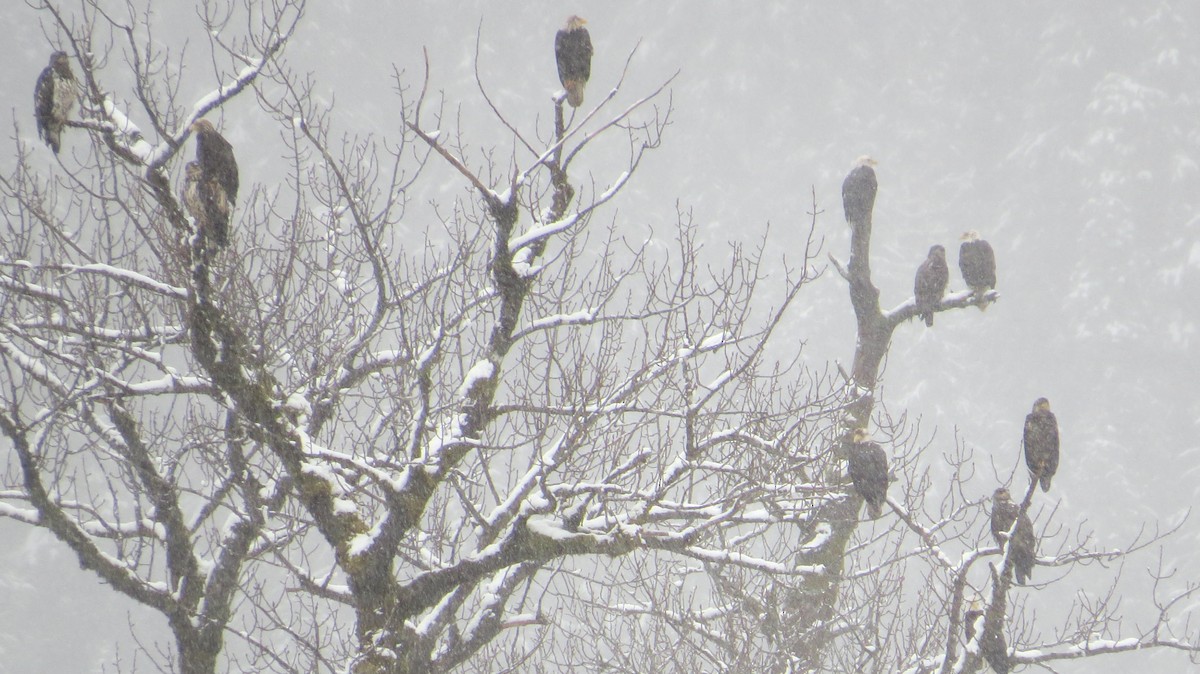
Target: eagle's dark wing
[(1004, 513), (930, 283), (216, 209), (977, 262), (573, 52), (43, 106), (1024, 549), (858, 194), (54, 96), (215, 155), (869, 473), (1041, 445)]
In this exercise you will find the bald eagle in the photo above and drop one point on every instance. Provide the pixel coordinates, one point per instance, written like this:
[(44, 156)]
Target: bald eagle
[(573, 51), (206, 201), (858, 191), (977, 262), (868, 471), (973, 620), (1041, 443), (53, 98), (1023, 546), (932, 276), (212, 182)]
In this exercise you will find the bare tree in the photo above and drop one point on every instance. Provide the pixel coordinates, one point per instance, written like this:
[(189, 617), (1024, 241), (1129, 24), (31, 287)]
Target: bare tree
[(926, 591), (516, 438)]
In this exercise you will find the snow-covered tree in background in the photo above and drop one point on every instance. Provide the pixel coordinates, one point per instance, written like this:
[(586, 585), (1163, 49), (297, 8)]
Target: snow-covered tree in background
[(492, 432)]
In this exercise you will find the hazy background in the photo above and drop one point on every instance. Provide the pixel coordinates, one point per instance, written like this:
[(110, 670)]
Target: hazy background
[(1067, 133)]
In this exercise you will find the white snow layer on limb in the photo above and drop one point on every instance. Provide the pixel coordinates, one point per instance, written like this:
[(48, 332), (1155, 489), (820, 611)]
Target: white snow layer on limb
[(363, 542), (25, 515), (578, 318), (298, 404), (336, 489), (737, 434), (482, 371), (768, 566), (16, 286), (522, 263), (926, 534), (719, 381), (612, 191), (127, 569), (433, 618), (131, 134), (551, 528), (169, 384), (133, 277), (549, 229), (709, 343), (33, 366), (820, 537), (528, 482), (712, 341), (215, 98), (541, 232)]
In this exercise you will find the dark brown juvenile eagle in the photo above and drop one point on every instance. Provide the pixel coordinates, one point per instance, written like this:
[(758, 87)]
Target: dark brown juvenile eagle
[(53, 98), (206, 202), (977, 262), (1023, 547), (868, 471), (932, 276), (213, 181), (573, 51), (1041, 443), (858, 191)]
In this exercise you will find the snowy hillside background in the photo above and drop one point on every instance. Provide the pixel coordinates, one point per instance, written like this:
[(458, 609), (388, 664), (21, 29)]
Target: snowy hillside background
[(1067, 133)]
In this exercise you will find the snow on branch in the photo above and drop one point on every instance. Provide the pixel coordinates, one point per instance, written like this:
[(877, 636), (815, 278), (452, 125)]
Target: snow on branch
[(757, 563), (17, 287), (169, 384), (737, 435), (480, 373), (128, 276), (509, 507), (120, 124), (1097, 646), (583, 317), (33, 366), (926, 535), (216, 98), (542, 232), (547, 230), (959, 300), (25, 515), (697, 622)]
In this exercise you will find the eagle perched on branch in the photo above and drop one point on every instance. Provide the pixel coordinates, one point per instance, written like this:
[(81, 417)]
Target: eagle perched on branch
[(868, 471), (573, 51), (206, 202), (858, 191), (932, 276), (53, 98), (1023, 546), (1041, 443), (211, 183), (977, 262)]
